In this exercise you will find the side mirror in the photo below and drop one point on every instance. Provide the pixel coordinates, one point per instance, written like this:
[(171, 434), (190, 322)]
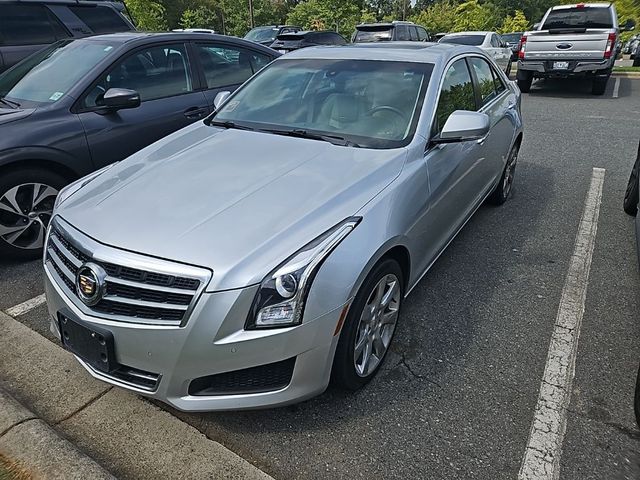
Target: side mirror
[(629, 25), (463, 126), (221, 97), (121, 98), (536, 26)]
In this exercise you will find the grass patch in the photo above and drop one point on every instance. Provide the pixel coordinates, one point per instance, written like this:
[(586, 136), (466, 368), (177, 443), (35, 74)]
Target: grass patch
[(12, 471), (626, 69)]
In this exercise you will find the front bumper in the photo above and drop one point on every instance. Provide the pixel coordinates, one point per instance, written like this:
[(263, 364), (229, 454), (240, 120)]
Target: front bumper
[(212, 341), (544, 68)]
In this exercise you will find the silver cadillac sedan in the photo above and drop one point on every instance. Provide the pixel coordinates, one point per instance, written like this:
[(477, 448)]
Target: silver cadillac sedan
[(248, 260)]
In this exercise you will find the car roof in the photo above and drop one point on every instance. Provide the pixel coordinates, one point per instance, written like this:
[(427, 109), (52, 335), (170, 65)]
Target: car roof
[(136, 37), (585, 5), (420, 52), (471, 32), (384, 24)]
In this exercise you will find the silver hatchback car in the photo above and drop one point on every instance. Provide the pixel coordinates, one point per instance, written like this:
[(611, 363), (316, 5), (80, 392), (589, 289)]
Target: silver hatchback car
[(247, 260)]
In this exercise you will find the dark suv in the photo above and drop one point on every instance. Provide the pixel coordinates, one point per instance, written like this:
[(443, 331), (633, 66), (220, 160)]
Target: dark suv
[(26, 26), (287, 42), (393, 31)]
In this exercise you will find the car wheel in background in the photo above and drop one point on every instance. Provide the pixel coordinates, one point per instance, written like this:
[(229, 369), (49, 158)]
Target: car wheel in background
[(524, 80), (369, 327), (636, 61), (26, 205), (501, 193), (599, 85), (631, 197)]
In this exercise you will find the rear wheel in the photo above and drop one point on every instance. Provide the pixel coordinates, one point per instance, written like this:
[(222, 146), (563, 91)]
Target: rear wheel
[(369, 327), (631, 196), (599, 85), (503, 189), (26, 205), (524, 80), (636, 61)]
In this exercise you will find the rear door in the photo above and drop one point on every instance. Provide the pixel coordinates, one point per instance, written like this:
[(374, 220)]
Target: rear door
[(171, 99), (497, 101), (25, 29), (224, 67)]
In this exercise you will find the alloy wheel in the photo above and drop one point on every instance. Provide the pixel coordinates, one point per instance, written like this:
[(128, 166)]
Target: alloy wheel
[(377, 324), (510, 171), (25, 212)]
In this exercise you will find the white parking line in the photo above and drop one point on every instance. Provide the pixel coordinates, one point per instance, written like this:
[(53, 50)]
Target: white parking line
[(544, 448), (616, 88), (24, 307)]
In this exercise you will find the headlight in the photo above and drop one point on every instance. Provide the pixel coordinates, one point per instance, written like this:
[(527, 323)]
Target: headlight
[(72, 188), (282, 294)]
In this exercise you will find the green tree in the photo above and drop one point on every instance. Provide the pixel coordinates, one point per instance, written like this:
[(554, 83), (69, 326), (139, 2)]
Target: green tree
[(339, 15), (438, 17), (201, 17), (148, 15), (515, 23), (472, 15)]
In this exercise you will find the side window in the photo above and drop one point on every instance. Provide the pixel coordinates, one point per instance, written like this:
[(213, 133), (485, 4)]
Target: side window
[(156, 72), (456, 94), (29, 25), (100, 19), (495, 41), (500, 86), (402, 33), (413, 32), (225, 66), (335, 39), (422, 34), (486, 84)]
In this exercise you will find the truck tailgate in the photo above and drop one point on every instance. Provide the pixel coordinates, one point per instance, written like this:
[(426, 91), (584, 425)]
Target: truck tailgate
[(544, 45)]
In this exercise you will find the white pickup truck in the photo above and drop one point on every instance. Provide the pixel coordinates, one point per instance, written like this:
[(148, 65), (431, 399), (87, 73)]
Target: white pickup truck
[(572, 40)]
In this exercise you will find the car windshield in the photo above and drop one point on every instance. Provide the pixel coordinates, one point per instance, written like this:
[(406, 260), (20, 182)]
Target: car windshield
[(579, 17), (366, 103), (46, 76), (262, 34), (376, 34), (473, 40)]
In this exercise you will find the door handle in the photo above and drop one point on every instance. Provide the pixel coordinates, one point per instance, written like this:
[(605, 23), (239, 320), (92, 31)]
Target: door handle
[(195, 113)]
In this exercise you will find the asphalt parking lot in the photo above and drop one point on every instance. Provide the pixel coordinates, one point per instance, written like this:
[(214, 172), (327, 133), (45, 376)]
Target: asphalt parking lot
[(457, 394)]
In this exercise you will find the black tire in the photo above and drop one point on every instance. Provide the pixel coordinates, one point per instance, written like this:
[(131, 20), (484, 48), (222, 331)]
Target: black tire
[(343, 373), (631, 196), (599, 86), (636, 61), (636, 399), (524, 80), (18, 249), (503, 189)]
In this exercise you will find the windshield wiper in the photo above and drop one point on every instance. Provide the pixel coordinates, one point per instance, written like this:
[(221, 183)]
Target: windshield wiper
[(10, 103), (228, 124), (300, 133)]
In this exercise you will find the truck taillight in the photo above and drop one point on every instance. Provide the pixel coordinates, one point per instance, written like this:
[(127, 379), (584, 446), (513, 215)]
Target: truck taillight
[(523, 45), (611, 43)]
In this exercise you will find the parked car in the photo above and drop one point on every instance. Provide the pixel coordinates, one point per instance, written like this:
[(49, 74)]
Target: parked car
[(631, 45), (266, 35), (26, 26), (490, 42), (390, 31), (288, 42), (580, 40), (82, 104), (245, 260), (512, 40)]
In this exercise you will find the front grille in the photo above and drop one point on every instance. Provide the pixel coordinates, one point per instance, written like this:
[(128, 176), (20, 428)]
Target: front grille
[(264, 378), (131, 294)]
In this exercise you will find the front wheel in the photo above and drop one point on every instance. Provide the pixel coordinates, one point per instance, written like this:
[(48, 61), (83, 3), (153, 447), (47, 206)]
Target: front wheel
[(631, 196), (26, 205), (369, 327), (503, 189)]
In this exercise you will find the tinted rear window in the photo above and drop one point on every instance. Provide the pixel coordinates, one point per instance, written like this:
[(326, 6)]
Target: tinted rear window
[(373, 34), (29, 25), (585, 17), (474, 40), (101, 19)]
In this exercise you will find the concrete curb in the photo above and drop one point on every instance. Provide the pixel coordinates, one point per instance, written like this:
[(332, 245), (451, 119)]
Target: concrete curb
[(38, 449), (130, 436)]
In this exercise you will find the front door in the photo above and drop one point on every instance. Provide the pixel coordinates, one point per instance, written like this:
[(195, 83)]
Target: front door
[(163, 76)]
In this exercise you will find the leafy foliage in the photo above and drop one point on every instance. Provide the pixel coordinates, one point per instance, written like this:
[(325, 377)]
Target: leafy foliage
[(515, 23)]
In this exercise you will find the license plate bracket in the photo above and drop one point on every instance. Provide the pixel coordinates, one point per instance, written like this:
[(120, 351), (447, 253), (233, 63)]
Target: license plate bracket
[(560, 65), (93, 345)]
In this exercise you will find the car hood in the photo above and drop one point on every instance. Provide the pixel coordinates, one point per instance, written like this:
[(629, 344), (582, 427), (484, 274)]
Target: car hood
[(8, 115), (237, 202)]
